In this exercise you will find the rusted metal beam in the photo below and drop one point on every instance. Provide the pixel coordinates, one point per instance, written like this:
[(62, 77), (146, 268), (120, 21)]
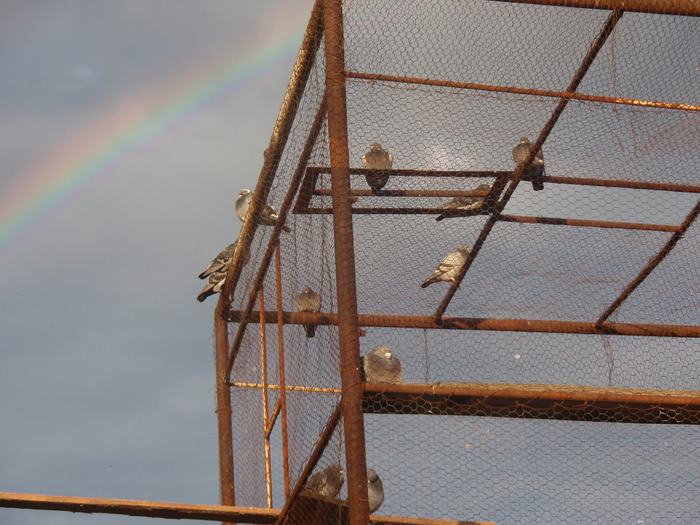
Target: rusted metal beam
[(646, 271), (665, 7), (407, 193), (631, 184), (348, 328), (223, 408), (278, 140), (588, 223), (561, 402), (568, 402), (182, 510), (374, 77), (265, 401), (313, 171), (283, 393), (476, 323), (605, 32), (152, 509)]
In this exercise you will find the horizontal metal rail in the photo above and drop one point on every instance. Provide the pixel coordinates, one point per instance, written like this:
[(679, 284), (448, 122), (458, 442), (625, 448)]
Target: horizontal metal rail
[(375, 77), (476, 323), (560, 402), (151, 509), (314, 171), (178, 511), (666, 7)]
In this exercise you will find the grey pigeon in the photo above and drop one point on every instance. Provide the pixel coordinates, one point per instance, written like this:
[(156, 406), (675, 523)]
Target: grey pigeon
[(219, 262), (377, 158), (465, 202), (375, 491), (308, 301), (449, 267), (326, 483), (214, 285), (380, 366), (216, 272), (535, 171), (268, 217)]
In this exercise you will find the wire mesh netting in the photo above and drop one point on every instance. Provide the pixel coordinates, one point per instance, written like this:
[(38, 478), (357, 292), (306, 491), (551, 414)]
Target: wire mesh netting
[(524, 188)]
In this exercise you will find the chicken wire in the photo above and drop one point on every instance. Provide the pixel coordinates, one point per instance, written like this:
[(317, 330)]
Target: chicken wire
[(580, 300)]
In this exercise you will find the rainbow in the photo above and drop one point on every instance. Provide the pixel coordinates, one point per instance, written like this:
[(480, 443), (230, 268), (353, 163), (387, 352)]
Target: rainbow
[(123, 129)]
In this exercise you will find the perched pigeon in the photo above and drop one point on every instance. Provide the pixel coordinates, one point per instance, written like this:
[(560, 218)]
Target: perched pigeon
[(326, 483), (243, 204), (377, 158), (268, 217), (216, 272), (379, 366), (375, 491), (309, 301), (448, 269), (465, 202), (535, 171), (214, 285), (220, 261)]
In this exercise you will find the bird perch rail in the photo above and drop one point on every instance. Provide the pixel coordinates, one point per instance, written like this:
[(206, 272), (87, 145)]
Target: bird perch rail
[(475, 323), (177, 511), (313, 173), (531, 401)]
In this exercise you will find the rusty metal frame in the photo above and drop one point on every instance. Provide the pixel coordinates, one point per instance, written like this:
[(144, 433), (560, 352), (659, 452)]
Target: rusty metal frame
[(280, 364), (265, 401), (348, 327), (646, 271), (597, 45), (157, 509), (485, 324), (665, 7), (376, 77), (559, 402)]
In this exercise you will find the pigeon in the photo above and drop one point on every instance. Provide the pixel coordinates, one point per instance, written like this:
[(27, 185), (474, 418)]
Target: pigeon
[(380, 366), (377, 158), (535, 171), (449, 267), (214, 285), (216, 272), (220, 261), (268, 217), (326, 483), (375, 491), (308, 301), (465, 202)]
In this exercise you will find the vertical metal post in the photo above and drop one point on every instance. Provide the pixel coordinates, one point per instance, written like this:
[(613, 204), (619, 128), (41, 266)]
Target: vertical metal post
[(223, 408), (283, 386), (263, 373), (348, 326)]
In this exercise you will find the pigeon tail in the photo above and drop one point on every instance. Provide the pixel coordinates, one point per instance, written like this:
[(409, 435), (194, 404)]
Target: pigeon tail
[(310, 330)]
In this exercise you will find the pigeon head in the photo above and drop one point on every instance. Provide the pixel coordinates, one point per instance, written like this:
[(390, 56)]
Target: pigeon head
[(307, 290), (372, 476), (375, 146), (383, 351), (525, 140), (243, 193), (463, 248)]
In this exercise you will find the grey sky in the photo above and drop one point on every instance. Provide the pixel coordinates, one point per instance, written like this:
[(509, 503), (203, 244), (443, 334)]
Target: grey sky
[(107, 368)]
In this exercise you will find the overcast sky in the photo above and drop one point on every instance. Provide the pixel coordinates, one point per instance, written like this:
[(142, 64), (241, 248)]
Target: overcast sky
[(107, 380)]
